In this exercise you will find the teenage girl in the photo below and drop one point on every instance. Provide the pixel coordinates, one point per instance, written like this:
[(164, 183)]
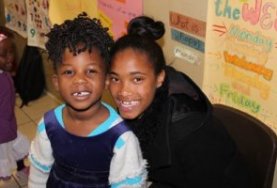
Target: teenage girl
[(185, 146)]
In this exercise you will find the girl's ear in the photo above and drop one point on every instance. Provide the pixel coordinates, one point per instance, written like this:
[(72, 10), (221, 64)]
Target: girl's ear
[(107, 82), (160, 79), (55, 81)]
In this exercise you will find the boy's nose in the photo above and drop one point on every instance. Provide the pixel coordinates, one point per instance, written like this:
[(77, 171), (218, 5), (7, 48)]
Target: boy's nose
[(80, 79)]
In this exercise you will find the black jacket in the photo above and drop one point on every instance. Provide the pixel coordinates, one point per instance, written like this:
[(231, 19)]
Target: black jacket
[(185, 146)]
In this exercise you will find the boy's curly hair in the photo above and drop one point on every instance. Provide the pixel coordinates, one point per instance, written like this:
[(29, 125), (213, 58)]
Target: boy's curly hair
[(78, 35)]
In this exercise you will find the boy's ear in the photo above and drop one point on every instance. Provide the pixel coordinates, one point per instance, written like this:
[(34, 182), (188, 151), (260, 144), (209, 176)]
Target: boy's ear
[(160, 79), (55, 81)]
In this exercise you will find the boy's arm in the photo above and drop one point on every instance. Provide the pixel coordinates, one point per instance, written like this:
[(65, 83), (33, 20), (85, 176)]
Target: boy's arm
[(128, 168), (37, 179), (41, 158)]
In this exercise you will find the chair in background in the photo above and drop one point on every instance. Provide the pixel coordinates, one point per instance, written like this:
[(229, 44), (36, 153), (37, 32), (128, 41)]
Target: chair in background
[(255, 140)]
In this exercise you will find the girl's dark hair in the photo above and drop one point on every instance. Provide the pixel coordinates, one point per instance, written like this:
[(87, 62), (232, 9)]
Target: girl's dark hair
[(78, 35), (142, 33)]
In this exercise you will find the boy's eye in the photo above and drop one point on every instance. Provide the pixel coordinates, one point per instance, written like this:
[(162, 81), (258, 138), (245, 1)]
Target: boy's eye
[(68, 72), (91, 71)]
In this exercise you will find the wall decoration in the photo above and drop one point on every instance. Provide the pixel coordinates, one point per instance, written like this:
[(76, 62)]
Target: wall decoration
[(38, 22), (68, 9), (187, 40), (16, 16), (187, 24), (240, 58), (188, 55), (119, 12)]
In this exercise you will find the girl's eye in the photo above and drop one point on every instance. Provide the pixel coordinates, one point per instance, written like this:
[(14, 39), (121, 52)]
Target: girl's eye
[(138, 79), (114, 79)]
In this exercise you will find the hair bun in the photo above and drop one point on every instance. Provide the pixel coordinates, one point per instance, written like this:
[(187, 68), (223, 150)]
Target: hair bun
[(146, 27)]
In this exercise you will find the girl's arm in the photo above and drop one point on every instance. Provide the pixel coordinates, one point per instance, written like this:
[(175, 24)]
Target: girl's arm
[(41, 158), (128, 168)]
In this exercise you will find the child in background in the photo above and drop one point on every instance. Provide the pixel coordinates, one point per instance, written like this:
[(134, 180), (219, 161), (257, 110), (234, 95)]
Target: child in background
[(11, 50), (83, 142), (14, 146)]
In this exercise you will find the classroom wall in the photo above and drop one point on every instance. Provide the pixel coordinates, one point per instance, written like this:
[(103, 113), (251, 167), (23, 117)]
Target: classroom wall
[(192, 8), (20, 45), (159, 11)]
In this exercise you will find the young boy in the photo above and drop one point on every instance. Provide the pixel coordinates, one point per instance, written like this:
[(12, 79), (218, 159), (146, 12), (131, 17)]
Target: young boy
[(83, 142)]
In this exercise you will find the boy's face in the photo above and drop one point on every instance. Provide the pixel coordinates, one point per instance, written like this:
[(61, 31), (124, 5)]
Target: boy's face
[(81, 79)]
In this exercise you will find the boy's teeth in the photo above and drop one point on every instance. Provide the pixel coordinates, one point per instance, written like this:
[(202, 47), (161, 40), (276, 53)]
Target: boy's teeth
[(79, 94)]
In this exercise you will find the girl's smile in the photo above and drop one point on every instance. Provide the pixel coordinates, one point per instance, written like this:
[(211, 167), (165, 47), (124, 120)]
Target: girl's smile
[(132, 82)]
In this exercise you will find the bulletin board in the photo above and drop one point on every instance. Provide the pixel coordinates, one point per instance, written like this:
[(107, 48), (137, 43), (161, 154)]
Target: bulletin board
[(38, 23), (33, 19), (16, 16), (240, 59)]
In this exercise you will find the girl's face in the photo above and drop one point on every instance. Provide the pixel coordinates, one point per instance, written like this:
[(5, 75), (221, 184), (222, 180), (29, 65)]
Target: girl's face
[(7, 54), (133, 82), (81, 79)]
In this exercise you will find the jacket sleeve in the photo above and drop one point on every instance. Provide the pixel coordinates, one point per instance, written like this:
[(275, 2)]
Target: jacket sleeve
[(204, 153)]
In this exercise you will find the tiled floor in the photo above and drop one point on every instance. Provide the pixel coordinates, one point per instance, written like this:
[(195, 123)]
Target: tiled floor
[(27, 119)]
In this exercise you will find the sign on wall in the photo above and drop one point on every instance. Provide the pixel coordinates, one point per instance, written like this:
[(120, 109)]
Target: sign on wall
[(38, 22), (241, 53), (16, 16)]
